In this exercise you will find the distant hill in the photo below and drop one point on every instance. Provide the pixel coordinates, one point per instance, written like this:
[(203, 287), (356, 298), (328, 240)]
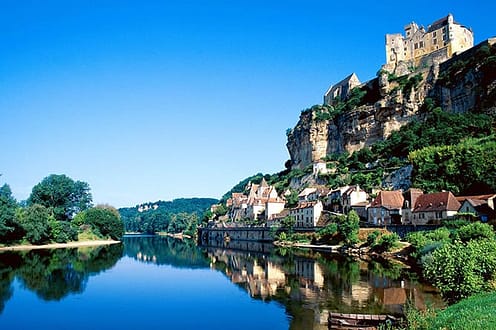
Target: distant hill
[(172, 216)]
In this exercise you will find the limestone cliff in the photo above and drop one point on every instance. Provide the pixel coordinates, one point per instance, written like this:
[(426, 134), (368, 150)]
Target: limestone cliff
[(466, 82)]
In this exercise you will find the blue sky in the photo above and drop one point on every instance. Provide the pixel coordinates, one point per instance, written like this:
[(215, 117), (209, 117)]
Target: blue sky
[(149, 100)]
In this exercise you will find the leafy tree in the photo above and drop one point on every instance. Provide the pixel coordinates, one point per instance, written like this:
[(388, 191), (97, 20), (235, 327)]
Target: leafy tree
[(8, 207), (103, 220), (62, 231), (349, 226), (35, 221), (62, 195)]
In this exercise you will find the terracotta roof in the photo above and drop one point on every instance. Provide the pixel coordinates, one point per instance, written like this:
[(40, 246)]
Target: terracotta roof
[(481, 197), (304, 205), (441, 201), (389, 199)]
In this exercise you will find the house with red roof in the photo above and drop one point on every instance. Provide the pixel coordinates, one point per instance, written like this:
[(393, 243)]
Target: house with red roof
[(432, 208), (386, 208)]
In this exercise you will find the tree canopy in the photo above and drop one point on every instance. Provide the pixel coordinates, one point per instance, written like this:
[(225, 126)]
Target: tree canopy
[(62, 195)]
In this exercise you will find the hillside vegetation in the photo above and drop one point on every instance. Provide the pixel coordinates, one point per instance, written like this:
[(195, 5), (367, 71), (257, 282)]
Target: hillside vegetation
[(179, 215)]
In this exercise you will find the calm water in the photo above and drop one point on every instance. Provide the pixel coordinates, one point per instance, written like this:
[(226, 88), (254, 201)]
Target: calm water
[(162, 283)]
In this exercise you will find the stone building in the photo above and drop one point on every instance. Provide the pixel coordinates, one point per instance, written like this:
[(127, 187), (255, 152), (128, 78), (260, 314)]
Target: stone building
[(432, 208), (341, 90), (307, 214), (445, 36)]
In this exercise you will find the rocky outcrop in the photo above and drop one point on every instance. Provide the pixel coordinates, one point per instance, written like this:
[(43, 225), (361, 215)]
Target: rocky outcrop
[(466, 82)]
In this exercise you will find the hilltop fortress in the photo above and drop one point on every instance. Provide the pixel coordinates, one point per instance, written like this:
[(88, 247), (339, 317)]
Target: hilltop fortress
[(437, 64), (418, 47)]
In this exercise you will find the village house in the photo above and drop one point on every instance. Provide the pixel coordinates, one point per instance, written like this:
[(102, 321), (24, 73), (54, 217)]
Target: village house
[(262, 202), (432, 208), (312, 194), (386, 208), (307, 214), (481, 206), (334, 202), (263, 199), (353, 196), (410, 198)]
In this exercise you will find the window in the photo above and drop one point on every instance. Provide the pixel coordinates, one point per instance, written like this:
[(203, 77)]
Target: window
[(434, 41), (421, 45), (434, 34), (416, 46)]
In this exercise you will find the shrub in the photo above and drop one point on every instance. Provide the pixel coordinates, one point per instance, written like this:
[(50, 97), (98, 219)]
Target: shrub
[(62, 231), (372, 237), (476, 230), (459, 270), (386, 242)]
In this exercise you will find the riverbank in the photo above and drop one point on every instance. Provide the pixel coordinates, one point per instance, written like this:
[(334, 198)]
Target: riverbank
[(58, 245)]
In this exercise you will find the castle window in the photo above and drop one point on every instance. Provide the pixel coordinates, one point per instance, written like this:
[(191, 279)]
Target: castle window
[(434, 34), (421, 45), (434, 41), (416, 46)]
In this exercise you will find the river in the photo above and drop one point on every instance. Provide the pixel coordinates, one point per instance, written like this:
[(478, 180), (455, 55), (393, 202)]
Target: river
[(164, 283)]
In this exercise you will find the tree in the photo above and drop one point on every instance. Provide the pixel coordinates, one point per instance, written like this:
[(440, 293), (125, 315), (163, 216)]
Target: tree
[(104, 220), (62, 195), (8, 207), (349, 226), (35, 221)]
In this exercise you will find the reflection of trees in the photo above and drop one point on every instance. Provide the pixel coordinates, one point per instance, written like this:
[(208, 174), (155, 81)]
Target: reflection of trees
[(162, 250), (7, 266), (54, 274)]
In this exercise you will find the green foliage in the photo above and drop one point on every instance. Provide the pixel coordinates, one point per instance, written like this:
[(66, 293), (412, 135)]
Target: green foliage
[(8, 206), (424, 242), (385, 242), (104, 221), (476, 230), (348, 227), (220, 210), (372, 238), (461, 269), (62, 195), (468, 314), (160, 214), (183, 222), (62, 231), (439, 168), (35, 222)]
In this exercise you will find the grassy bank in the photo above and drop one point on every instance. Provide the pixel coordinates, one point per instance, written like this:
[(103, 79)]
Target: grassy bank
[(475, 312)]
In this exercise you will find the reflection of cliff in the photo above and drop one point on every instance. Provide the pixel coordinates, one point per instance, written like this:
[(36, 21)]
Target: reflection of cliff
[(165, 251), (54, 274)]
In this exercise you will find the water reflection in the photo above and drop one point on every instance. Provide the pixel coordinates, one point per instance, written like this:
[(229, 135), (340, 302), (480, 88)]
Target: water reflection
[(54, 274), (307, 284), (311, 284)]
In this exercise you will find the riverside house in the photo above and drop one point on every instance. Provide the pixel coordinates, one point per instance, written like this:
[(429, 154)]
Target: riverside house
[(432, 208)]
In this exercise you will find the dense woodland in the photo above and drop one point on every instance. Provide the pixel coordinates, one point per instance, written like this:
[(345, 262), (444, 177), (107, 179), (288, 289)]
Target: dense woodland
[(179, 215), (60, 210)]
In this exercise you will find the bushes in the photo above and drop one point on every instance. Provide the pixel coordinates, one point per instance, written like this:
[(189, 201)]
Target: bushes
[(103, 221), (459, 269), (385, 242)]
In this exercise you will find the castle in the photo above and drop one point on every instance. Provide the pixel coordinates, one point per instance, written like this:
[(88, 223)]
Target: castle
[(443, 35), (417, 48)]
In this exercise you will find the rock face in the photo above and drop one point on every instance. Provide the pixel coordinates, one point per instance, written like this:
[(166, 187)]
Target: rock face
[(457, 85)]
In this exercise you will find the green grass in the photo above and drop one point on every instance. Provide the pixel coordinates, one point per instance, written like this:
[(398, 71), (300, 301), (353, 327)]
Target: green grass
[(476, 312)]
